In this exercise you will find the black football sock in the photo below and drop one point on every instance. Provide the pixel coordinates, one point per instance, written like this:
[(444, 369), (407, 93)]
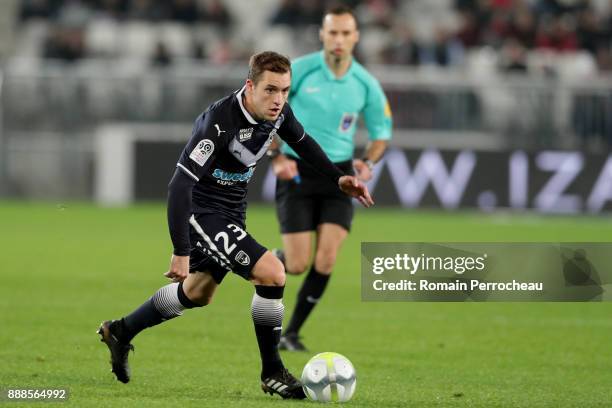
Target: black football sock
[(267, 311), (311, 291), (167, 303)]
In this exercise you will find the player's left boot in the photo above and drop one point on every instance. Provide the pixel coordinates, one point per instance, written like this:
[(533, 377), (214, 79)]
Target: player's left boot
[(119, 351), (283, 384)]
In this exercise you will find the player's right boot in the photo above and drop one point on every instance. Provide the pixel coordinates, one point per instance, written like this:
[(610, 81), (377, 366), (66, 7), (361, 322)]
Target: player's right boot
[(283, 384), (119, 351), (291, 342)]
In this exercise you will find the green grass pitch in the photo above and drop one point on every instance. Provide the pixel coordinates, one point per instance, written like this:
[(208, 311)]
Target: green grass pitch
[(67, 268)]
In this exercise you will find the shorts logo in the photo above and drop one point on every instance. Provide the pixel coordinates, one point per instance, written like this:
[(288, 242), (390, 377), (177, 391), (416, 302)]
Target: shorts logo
[(245, 134), (347, 121), (242, 258), (202, 152)]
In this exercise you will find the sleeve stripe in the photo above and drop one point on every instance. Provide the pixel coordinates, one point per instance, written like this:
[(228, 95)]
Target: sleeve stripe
[(303, 135), (186, 170)]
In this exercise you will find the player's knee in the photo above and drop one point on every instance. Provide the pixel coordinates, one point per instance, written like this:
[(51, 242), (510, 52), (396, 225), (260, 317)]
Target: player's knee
[(269, 271), (296, 266), (276, 274), (279, 277), (272, 278)]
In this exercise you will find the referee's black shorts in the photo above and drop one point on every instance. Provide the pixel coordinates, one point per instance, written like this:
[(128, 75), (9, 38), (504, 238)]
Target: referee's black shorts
[(314, 201)]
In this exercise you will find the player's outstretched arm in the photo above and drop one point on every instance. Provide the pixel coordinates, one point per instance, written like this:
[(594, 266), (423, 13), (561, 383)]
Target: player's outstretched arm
[(356, 189)]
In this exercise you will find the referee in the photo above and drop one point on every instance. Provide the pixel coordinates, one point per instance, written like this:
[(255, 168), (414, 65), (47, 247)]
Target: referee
[(329, 92)]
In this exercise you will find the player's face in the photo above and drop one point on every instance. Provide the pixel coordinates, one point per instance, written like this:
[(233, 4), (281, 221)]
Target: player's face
[(339, 35), (269, 94)]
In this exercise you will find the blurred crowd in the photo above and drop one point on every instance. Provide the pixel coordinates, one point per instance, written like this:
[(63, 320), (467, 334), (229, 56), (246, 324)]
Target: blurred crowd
[(183, 11), (66, 38), (454, 27), (516, 27), (414, 33)]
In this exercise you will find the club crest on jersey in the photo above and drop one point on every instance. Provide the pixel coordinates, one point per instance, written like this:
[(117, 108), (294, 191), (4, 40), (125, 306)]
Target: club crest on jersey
[(242, 258), (347, 121), (245, 134), (202, 152)]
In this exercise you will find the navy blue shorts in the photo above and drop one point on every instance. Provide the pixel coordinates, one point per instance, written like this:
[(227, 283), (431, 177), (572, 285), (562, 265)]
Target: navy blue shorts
[(220, 245)]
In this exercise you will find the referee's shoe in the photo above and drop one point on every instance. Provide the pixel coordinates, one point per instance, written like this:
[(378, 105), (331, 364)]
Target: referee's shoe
[(291, 342), (283, 384)]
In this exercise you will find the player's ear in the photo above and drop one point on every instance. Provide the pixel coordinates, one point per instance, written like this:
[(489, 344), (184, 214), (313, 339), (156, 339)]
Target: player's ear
[(250, 85), (356, 36), (321, 34)]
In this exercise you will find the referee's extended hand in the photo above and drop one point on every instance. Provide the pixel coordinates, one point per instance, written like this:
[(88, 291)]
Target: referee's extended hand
[(352, 186), (179, 268), (362, 170), (284, 168)]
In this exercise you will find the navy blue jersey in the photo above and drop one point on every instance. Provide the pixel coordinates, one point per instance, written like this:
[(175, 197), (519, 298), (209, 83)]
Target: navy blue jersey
[(215, 167), (222, 154)]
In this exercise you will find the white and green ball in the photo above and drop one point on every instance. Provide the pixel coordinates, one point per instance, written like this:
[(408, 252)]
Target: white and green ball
[(329, 377)]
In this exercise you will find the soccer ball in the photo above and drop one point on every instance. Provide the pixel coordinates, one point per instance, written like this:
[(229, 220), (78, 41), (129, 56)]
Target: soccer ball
[(329, 377)]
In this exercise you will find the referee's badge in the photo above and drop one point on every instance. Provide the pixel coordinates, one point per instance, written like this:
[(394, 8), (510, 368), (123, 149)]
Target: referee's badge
[(347, 121)]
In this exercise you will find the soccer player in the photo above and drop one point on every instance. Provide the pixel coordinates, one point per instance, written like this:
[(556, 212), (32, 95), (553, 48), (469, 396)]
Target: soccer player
[(206, 217), (328, 93)]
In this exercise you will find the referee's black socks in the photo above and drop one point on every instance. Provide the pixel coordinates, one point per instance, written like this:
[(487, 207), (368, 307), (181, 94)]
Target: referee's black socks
[(167, 303), (267, 311), (311, 291)]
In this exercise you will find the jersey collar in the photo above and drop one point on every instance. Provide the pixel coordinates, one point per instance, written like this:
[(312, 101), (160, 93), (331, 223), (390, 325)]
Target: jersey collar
[(246, 113), (328, 72)]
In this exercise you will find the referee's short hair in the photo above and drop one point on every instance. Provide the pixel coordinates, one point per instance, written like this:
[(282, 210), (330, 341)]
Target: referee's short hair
[(338, 10), (267, 61)]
